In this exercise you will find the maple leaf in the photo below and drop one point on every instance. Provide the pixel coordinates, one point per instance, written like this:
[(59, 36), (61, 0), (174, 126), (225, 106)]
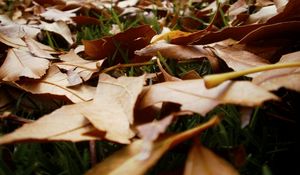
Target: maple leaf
[(56, 83), (194, 96), (130, 160), (111, 112), (204, 161), (22, 63), (287, 77)]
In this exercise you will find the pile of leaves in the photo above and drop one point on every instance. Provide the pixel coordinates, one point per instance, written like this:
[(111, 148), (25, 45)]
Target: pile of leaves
[(149, 87)]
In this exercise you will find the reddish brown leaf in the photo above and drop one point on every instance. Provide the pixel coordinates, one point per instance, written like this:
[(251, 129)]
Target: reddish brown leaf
[(127, 41), (85, 20)]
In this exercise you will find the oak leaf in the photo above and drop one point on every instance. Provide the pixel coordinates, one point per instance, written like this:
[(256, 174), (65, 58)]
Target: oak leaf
[(22, 63)]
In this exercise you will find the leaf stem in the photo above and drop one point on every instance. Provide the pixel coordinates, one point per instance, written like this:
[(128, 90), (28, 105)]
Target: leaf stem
[(216, 79)]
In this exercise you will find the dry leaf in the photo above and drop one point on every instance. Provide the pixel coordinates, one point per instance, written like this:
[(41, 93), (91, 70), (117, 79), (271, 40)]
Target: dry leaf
[(238, 59), (21, 63), (58, 15), (203, 161), (166, 75), (194, 96), (130, 160), (179, 52), (127, 41), (56, 83), (61, 121), (112, 109), (287, 77), (60, 28), (263, 15), (35, 48), (5, 99), (83, 68)]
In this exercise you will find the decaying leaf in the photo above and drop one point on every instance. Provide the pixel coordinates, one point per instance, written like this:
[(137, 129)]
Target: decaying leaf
[(130, 160), (56, 83), (287, 77), (111, 112), (194, 96), (204, 161), (22, 63)]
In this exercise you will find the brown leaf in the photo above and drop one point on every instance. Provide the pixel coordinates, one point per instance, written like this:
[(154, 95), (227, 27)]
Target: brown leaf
[(287, 77), (61, 121), (130, 160), (284, 29), (5, 99), (111, 111), (56, 83), (166, 75), (203, 161), (289, 13), (83, 68), (179, 52), (127, 41), (85, 20), (263, 15), (60, 28), (150, 131), (21, 63), (36, 49), (238, 59), (194, 96)]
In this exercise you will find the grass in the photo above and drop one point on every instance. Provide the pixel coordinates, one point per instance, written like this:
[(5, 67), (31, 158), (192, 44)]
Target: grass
[(266, 146)]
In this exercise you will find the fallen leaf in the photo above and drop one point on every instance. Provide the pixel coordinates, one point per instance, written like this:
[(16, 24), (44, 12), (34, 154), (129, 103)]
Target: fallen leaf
[(263, 15), (238, 59), (179, 52), (85, 20), (35, 48), (112, 109), (58, 15), (127, 41), (150, 131), (56, 83), (167, 76), (61, 121), (288, 13), (194, 96), (83, 68), (60, 28), (22, 63), (287, 77), (282, 29), (203, 161), (130, 160)]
